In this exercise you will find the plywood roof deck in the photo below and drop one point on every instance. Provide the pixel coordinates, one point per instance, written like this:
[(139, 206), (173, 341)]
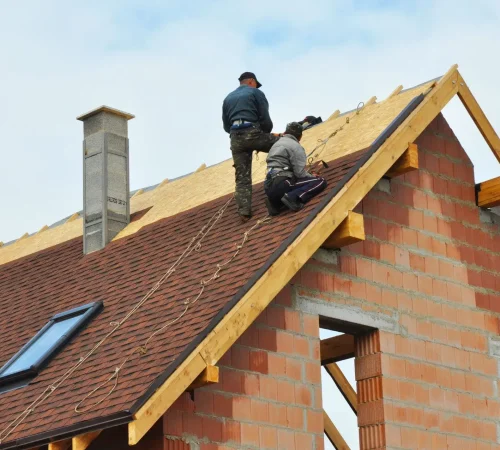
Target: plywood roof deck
[(176, 196)]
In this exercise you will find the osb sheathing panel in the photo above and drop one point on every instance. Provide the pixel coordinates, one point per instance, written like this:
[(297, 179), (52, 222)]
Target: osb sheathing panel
[(213, 182)]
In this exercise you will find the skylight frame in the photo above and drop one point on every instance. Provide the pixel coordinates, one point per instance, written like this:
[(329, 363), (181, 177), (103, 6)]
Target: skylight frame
[(23, 377)]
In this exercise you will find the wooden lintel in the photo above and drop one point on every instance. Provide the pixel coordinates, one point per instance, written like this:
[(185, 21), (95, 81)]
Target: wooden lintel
[(407, 162), (395, 91), (60, 445), (209, 376), (351, 230), (488, 193), (478, 116), (335, 114), (265, 289), (343, 384), (337, 348), (333, 434)]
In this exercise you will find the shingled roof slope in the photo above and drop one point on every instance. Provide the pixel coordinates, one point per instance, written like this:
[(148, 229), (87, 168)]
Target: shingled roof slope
[(40, 285)]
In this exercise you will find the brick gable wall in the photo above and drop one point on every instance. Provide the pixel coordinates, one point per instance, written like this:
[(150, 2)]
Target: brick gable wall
[(427, 276)]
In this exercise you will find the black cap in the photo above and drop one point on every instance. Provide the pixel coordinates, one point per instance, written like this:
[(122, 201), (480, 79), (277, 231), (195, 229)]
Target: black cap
[(247, 75), (295, 129)]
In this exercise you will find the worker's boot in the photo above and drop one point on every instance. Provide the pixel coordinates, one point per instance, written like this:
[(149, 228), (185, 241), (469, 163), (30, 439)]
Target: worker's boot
[(271, 209), (294, 205)]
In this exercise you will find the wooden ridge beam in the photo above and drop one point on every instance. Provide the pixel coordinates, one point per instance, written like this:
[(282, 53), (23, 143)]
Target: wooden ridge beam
[(82, 441), (60, 445), (216, 343), (344, 386), (478, 116), (407, 162), (337, 348), (333, 434), (351, 230), (488, 193), (209, 376)]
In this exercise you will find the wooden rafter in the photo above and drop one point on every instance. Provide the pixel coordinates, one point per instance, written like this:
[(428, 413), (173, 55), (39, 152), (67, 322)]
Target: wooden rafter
[(488, 193), (333, 434), (478, 116), (407, 162), (335, 114), (351, 230), (82, 441), (209, 376), (343, 384), (337, 348), (370, 101), (258, 297), (60, 445), (395, 91)]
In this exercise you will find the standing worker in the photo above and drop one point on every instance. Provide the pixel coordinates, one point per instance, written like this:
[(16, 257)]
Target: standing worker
[(245, 115), (288, 183)]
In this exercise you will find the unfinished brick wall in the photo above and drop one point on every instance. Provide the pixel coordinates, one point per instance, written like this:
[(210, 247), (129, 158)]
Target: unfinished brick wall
[(269, 394), (428, 272)]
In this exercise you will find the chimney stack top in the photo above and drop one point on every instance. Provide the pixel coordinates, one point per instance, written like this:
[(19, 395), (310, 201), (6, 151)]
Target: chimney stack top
[(107, 109)]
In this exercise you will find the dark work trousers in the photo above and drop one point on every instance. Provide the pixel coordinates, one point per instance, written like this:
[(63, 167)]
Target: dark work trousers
[(297, 189), (243, 143)]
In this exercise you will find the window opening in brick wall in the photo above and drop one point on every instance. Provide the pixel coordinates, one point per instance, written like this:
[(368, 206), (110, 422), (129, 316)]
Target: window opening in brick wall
[(335, 405), (38, 351)]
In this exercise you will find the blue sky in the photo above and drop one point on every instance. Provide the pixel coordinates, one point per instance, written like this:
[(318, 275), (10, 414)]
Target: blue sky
[(171, 64)]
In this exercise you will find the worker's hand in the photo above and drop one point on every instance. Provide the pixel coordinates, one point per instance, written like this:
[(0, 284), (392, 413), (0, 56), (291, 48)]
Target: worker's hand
[(277, 134)]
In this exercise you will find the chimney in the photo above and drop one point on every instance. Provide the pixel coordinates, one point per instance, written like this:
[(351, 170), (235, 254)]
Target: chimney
[(106, 208)]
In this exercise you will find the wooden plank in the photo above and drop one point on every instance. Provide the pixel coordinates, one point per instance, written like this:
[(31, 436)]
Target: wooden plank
[(407, 162), (395, 91), (337, 348), (82, 441), (351, 230), (333, 434), (344, 386), (335, 114), (236, 321), (488, 193), (60, 445), (209, 376), (478, 116)]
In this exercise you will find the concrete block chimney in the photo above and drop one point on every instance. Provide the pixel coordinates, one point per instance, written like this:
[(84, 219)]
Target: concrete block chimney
[(106, 206)]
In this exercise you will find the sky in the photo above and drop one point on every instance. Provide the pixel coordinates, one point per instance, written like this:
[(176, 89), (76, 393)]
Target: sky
[(172, 63)]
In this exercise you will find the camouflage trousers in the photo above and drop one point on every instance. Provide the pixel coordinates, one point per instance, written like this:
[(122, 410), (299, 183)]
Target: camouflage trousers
[(243, 143)]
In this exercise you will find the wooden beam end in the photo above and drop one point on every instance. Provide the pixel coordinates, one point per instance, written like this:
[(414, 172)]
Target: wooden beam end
[(350, 231), (488, 193), (209, 376), (337, 348), (407, 162)]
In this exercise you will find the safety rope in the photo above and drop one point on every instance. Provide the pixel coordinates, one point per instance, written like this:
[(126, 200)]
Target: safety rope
[(322, 142), (194, 245)]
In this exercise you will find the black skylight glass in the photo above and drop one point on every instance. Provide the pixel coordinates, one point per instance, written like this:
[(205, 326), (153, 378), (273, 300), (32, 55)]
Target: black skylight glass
[(28, 362)]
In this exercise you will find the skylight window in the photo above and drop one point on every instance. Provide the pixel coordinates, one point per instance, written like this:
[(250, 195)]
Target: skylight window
[(28, 362)]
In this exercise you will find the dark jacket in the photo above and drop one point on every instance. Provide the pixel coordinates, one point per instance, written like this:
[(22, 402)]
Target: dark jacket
[(288, 152), (246, 103)]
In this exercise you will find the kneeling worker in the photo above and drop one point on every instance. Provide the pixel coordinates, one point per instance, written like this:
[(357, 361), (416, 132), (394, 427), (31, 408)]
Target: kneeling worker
[(288, 182)]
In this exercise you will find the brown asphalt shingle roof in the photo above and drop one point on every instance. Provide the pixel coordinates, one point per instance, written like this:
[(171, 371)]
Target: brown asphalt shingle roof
[(36, 287)]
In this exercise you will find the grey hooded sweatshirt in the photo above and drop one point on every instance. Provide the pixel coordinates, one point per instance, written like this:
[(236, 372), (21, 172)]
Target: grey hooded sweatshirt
[(287, 152)]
